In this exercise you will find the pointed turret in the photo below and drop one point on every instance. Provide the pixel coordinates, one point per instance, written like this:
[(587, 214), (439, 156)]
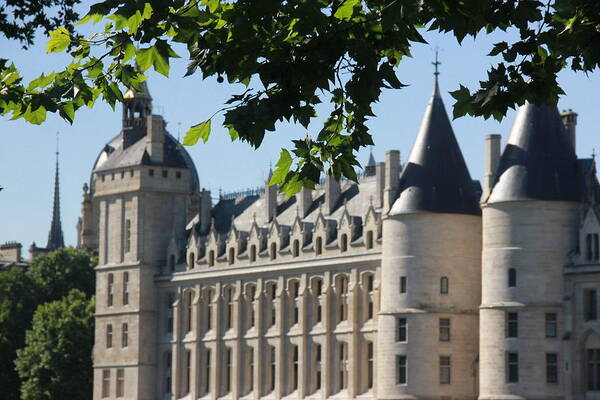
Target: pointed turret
[(539, 162), (55, 236), (436, 178), (137, 106), (371, 165)]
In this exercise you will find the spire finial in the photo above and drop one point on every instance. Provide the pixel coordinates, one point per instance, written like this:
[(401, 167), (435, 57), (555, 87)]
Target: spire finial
[(436, 72), (55, 236)]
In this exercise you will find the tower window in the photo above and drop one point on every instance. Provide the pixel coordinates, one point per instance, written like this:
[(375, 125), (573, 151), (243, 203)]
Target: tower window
[(402, 284), (207, 371), (170, 299), (445, 370), (189, 307), (229, 298), (272, 297), (317, 366), (401, 366), (120, 382), (187, 373), (401, 330), (512, 367), (551, 325), (590, 305), (370, 365), (109, 335), (228, 366), (512, 324), (109, 290), (172, 262), (295, 368), (105, 383), (127, 236), (124, 335), (444, 285), (551, 368), (512, 277), (250, 377), (343, 349), (125, 288), (444, 329), (272, 369)]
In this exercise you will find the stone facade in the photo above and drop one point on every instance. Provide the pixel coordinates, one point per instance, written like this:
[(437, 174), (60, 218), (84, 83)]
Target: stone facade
[(400, 287)]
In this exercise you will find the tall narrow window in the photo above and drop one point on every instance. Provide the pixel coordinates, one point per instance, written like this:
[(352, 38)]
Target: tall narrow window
[(187, 372), (209, 298), (250, 369), (512, 324), (192, 260), (551, 325), (369, 239), (272, 369), (402, 284), (127, 236), (295, 368), (295, 293), (317, 367), (229, 298), (231, 258), (512, 277), (124, 335), (251, 293), (273, 300), (120, 382), (401, 370), (189, 308), (252, 253), (589, 246), (170, 300), (401, 330), (273, 251), (590, 306), (105, 383), (318, 246), (109, 336), (125, 288), (343, 352), (370, 296), (596, 249), (296, 248), (444, 285), (512, 367), (344, 243), (172, 262), (109, 290), (369, 365), (168, 372), (444, 329), (343, 299), (211, 258), (551, 368), (228, 375), (593, 369), (445, 370), (318, 291), (207, 372)]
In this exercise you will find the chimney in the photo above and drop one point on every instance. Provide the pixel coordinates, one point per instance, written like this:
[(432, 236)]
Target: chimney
[(156, 138), (392, 175), (304, 201), (270, 199), (491, 161), (569, 120), (333, 190), (379, 184), (11, 251), (205, 210)]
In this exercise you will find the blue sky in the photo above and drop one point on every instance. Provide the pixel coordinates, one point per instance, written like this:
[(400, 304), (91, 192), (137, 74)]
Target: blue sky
[(27, 151)]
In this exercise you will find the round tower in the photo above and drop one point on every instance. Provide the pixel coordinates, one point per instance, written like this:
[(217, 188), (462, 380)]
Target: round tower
[(530, 222), (428, 323)]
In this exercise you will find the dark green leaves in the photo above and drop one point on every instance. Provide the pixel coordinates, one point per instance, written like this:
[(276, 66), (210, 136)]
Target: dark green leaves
[(197, 132), (59, 40), (156, 56)]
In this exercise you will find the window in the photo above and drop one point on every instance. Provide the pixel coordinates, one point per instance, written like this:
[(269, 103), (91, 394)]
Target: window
[(229, 298), (109, 335), (369, 243), (551, 325), (512, 277), (272, 369), (590, 306), (178, 174), (295, 293), (296, 248), (251, 293), (401, 370), (343, 353), (444, 329), (189, 307), (168, 372), (317, 292), (445, 370), (187, 372), (343, 299), (401, 330), (252, 253), (402, 284), (273, 297), (273, 252), (593, 369), (444, 285), (151, 172), (125, 288), (344, 243), (109, 290), (124, 335), (551, 368), (131, 173), (207, 372), (170, 301), (127, 236), (105, 383), (103, 178), (165, 173), (512, 367), (209, 297), (593, 252), (172, 262), (317, 366), (112, 176), (318, 246), (211, 258), (192, 260), (250, 369), (370, 296), (369, 365), (122, 174), (231, 257), (120, 382), (228, 375), (295, 368), (512, 324)]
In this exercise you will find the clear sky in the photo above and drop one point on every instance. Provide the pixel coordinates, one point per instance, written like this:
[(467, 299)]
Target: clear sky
[(27, 151)]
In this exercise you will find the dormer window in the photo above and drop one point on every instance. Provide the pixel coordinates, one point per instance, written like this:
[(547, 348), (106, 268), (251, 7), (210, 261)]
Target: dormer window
[(593, 252), (192, 260), (344, 243), (231, 256), (318, 246), (369, 243), (296, 248), (252, 253), (273, 251), (211, 258)]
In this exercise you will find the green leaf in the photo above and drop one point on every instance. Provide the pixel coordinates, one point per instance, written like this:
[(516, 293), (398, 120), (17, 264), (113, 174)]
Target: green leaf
[(346, 9), (36, 116), (157, 56), (95, 18), (67, 111), (282, 167), (196, 132), (60, 39)]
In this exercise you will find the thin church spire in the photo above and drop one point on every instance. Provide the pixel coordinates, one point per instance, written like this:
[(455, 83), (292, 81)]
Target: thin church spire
[(55, 236), (436, 73)]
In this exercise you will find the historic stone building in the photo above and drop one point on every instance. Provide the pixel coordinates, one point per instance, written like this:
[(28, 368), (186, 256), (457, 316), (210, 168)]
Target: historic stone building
[(416, 283)]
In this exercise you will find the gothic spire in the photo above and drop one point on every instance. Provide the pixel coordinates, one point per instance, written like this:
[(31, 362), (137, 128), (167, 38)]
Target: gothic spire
[(55, 236)]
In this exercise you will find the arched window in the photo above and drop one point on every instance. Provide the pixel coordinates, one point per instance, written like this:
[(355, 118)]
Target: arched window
[(172, 262), (369, 243), (273, 251), (318, 246), (211, 258), (444, 285), (296, 248), (512, 277), (344, 243), (231, 257), (192, 260)]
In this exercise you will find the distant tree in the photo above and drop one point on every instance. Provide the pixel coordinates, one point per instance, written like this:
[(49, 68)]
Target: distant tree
[(18, 301), (59, 271), (56, 362)]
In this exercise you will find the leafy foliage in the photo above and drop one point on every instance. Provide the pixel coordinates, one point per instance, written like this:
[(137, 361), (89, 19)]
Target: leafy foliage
[(56, 362), (300, 53)]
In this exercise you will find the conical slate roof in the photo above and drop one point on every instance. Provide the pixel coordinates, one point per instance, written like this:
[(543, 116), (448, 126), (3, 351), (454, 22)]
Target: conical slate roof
[(436, 179), (539, 162)]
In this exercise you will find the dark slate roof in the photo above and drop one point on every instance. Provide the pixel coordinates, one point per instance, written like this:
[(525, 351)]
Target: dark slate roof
[(436, 179), (539, 162)]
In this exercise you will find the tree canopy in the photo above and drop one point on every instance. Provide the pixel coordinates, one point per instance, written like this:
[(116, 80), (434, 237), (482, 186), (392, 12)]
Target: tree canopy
[(293, 55)]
